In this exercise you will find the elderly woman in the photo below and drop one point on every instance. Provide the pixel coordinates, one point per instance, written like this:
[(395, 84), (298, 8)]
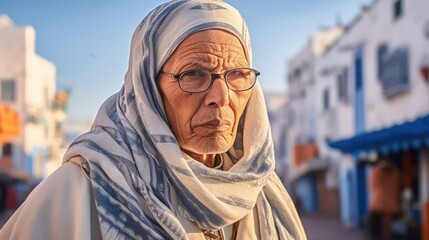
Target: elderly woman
[(182, 151)]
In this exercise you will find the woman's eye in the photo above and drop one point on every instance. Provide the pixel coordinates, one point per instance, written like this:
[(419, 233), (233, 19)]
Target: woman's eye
[(236, 75), (195, 74)]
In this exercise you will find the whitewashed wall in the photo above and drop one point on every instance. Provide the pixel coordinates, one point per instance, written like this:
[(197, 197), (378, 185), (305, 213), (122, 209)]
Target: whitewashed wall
[(35, 88)]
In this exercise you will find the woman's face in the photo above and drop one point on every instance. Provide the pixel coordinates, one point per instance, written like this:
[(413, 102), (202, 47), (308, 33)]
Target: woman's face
[(204, 123)]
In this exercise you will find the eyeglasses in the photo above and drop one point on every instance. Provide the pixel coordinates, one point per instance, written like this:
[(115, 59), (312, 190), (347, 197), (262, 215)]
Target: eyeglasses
[(196, 81)]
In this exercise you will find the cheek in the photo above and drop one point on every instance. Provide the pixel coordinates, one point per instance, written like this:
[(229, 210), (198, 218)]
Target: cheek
[(180, 109), (239, 103)]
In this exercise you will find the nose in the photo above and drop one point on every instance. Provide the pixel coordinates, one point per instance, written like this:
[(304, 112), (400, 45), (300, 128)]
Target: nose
[(218, 94)]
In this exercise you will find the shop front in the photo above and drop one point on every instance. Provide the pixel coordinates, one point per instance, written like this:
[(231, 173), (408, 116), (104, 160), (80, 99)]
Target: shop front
[(405, 147)]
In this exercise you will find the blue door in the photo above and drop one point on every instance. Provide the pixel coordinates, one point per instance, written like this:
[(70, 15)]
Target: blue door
[(360, 204), (359, 103)]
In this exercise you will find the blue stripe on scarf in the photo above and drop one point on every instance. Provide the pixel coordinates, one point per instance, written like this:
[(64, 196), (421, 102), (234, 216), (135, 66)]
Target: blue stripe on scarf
[(164, 139), (102, 179), (207, 218), (237, 202), (150, 87), (119, 161), (219, 175), (161, 191), (158, 182), (265, 209), (266, 152), (112, 200)]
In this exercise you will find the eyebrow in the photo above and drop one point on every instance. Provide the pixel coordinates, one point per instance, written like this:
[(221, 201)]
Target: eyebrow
[(208, 66), (197, 65)]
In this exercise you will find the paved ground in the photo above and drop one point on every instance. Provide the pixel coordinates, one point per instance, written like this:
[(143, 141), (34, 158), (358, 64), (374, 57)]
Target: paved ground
[(324, 228)]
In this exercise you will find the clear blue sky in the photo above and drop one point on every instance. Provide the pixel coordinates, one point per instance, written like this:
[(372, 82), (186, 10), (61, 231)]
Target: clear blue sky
[(89, 41)]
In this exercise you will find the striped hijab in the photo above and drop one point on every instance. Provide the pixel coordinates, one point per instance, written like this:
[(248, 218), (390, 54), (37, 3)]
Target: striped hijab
[(142, 182)]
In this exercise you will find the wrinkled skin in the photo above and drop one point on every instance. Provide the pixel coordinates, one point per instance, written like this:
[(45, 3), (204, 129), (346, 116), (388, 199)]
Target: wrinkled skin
[(204, 124)]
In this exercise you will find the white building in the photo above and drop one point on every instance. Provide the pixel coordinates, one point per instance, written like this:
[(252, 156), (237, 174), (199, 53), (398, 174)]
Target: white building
[(303, 154), (27, 83), (371, 86), (301, 82)]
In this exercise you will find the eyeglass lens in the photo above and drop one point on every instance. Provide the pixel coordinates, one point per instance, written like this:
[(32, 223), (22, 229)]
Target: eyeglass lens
[(200, 80)]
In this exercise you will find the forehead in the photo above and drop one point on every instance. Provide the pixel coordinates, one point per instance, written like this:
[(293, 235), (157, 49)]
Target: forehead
[(213, 42)]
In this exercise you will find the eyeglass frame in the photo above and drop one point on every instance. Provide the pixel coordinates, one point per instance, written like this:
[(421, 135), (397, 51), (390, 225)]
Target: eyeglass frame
[(214, 76)]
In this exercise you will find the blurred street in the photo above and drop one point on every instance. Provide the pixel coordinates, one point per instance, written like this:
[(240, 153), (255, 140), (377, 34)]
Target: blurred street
[(320, 227), (347, 101)]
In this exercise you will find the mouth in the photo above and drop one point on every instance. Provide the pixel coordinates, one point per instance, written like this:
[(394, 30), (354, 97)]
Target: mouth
[(216, 125)]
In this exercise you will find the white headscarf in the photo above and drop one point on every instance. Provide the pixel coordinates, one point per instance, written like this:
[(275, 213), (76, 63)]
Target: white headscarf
[(142, 181)]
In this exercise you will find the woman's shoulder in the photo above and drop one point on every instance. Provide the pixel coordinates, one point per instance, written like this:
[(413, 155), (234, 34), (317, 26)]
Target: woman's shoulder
[(63, 200), (70, 173)]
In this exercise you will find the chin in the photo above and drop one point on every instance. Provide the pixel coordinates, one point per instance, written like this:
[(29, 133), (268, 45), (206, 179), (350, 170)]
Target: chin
[(209, 146)]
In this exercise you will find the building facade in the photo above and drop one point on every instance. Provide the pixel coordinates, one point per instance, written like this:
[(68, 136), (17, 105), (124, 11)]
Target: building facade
[(310, 171), (28, 85), (377, 72)]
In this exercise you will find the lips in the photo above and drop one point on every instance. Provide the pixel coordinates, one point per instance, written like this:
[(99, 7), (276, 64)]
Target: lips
[(217, 125), (215, 120)]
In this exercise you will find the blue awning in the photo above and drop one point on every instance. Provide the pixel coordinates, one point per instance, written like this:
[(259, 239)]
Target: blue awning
[(401, 137)]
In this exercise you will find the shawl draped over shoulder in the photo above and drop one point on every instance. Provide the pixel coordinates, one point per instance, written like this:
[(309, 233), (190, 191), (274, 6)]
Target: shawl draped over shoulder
[(142, 182)]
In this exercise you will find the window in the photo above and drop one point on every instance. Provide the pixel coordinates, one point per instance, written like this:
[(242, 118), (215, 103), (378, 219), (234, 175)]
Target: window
[(382, 52), (8, 90), (326, 99), (427, 29), (343, 86), (327, 71), (397, 9), (393, 70)]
